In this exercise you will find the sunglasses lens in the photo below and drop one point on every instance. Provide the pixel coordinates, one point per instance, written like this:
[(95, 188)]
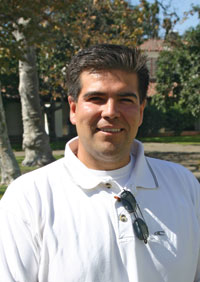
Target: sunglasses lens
[(128, 201), (141, 229), (128, 206), (139, 225)]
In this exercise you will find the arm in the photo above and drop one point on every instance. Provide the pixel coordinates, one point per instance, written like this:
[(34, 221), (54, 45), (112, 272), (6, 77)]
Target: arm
[(18, 254), (197, 276), (19, 251), (197, 202)]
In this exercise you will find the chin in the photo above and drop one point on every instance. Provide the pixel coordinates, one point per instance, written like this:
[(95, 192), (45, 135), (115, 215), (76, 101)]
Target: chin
[(112, 155)]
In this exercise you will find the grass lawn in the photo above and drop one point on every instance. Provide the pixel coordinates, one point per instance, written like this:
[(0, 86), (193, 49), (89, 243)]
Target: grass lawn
[(57, 145), (24, 169), (2, 190), (184, 140)]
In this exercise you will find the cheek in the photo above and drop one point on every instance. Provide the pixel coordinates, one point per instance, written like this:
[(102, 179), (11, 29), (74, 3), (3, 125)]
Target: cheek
[(86, 113), (132, 114), (87, 109), (133, 118)]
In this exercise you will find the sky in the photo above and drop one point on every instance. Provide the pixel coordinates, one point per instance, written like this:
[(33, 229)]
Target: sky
[(180, 6)]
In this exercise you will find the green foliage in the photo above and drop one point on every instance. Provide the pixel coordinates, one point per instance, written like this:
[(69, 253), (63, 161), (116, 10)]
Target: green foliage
[(177, 119), (2, 190), (151, 22), (90, 23), (106, 21), (174, 119), (178, 74), (51, 67), (9, 80), (153, 121), (58, 29), (43, 25)]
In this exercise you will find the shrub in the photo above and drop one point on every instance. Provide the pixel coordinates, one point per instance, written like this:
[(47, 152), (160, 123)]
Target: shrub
[(174, 119), (153, 121), (177, 120)]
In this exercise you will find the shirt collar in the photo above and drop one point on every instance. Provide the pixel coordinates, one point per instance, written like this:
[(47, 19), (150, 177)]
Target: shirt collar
[(142, 177)]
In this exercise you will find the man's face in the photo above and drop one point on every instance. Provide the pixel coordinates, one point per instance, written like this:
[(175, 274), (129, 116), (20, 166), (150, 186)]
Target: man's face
[(107, 115)]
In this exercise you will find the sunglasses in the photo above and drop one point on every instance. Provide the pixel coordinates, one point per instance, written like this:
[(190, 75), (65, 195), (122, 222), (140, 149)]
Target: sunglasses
[(130, 204)]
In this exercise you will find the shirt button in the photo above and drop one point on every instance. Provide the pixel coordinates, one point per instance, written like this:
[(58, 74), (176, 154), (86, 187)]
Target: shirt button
[(108, 185), (123, 218)]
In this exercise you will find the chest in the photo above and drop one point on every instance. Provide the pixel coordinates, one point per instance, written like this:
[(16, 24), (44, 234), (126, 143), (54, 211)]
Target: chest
[(92, 239)]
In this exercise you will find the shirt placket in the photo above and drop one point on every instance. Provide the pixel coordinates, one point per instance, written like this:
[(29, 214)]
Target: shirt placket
[(125, 224)]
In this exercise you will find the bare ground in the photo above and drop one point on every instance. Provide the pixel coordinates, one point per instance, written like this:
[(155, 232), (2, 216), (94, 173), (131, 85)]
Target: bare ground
[(186, 155)]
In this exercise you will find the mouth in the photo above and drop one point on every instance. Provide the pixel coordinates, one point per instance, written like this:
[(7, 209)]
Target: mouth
[(110, 130)]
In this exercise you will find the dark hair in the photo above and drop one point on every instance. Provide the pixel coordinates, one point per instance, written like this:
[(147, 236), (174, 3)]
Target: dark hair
[(105, 57)]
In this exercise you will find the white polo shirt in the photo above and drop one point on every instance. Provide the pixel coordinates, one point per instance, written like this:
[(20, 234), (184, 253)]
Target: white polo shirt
[(62, 223)]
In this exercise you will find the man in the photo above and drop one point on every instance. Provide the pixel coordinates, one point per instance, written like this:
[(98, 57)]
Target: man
[(104, 212)]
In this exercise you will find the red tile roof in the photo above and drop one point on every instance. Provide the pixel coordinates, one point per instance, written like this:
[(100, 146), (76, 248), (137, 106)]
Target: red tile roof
[(152, 45), (152, 89)]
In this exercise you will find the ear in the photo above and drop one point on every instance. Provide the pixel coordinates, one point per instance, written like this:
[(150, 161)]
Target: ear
[(142, 107), (72, 106)]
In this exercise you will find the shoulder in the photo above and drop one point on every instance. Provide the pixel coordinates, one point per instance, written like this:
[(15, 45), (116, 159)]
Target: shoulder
[(39, 174), (176, 178), (170, 168), (33, 186)]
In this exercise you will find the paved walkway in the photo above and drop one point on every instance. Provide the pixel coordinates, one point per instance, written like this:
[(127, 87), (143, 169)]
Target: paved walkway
[(168, 147), (187, 155)]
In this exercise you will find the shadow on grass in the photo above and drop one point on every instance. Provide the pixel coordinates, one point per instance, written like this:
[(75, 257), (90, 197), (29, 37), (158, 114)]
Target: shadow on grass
[(2, 190)]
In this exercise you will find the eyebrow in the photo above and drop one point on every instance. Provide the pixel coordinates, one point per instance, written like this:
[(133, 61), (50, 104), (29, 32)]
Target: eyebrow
[(120, 94), (92, 93), (128, 94)]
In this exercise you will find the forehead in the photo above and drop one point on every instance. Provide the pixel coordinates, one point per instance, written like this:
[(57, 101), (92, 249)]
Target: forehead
[(108, 79)]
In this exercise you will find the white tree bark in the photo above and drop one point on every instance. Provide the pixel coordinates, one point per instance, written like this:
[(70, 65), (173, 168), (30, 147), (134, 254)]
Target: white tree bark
[(35, 139), (8, 164)]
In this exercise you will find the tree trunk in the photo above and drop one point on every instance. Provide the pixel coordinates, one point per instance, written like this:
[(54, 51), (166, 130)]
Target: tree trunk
[(8, 164), (35, 139)]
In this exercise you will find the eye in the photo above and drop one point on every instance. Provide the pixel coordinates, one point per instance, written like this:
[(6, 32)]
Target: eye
[(127, 100), (95, 99)]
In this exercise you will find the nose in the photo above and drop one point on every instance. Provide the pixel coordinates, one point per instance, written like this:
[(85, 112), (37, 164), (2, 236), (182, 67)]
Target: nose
[(110, 109)]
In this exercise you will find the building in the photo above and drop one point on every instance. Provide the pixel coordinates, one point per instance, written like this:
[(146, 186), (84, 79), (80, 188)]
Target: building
[(152, 48)]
